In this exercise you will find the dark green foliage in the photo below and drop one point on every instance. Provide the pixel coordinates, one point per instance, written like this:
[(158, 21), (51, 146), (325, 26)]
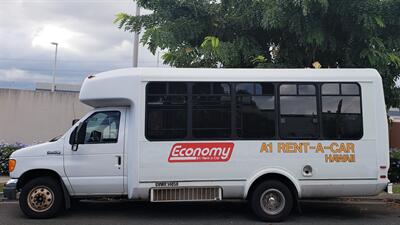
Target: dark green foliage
[(394, 170), (336, 33), (5, 152)]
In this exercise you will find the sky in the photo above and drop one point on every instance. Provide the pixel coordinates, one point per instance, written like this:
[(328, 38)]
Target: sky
[(88, 40)]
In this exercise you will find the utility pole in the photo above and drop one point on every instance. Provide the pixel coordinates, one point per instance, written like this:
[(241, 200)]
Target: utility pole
[(136, 41), (53, 86)]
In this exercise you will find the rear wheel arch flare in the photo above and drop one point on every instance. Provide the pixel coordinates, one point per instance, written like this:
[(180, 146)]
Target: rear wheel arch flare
[(295, 190)]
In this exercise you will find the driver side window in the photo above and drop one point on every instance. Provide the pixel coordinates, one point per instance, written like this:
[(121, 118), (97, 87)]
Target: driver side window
[(102, 127)]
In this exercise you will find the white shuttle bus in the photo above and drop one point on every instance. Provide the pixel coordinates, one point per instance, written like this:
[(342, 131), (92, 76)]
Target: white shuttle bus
[(269, 136)]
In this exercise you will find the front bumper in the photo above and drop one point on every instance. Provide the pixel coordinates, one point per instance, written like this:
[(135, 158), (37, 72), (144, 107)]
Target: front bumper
[(10, 189)]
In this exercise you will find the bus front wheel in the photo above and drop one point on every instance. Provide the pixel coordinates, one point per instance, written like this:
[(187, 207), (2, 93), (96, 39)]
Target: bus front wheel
[(41, 198)]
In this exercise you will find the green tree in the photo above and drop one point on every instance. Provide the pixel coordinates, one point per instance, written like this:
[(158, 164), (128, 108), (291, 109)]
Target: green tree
[(275, 34)]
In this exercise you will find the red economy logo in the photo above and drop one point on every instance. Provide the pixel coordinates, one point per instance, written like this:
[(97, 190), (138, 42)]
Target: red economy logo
[(201, 152)]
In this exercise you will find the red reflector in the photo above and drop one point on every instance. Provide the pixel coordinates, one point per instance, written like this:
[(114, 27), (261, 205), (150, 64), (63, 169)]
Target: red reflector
[(383, 177), (383, 167)]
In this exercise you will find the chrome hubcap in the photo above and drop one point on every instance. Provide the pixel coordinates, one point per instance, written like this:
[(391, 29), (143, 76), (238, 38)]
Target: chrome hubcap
[(272, 201), (40, 199)]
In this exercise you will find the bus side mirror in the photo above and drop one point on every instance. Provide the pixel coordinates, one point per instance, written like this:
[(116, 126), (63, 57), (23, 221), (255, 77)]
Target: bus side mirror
[(78, 136), (74, 121)]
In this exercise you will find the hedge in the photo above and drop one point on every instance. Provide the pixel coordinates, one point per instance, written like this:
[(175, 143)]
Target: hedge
[(394, 170), (5, 152)]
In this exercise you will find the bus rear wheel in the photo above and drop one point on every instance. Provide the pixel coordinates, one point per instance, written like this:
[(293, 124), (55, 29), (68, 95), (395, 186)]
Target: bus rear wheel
[(272, 201), (41, 198)]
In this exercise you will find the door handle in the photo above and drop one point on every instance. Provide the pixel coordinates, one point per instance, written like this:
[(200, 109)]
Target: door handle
[(53, 153), (119, 161)]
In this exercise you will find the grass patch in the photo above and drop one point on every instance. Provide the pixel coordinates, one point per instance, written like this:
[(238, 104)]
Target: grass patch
[(396, 188)]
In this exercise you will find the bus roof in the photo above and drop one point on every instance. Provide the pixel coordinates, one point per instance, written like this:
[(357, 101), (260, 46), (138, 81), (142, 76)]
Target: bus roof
[(205, 74)]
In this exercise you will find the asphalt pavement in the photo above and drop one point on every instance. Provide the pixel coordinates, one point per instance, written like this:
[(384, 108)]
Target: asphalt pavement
[(117, 212)]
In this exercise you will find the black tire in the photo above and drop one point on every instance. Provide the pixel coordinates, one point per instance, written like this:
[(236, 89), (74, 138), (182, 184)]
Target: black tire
[(46, 198), (272, 188)]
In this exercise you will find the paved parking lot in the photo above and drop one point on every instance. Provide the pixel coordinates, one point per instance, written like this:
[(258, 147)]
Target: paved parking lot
[(313, 212)]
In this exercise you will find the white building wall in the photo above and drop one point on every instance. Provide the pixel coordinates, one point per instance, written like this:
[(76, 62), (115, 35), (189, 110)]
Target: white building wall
[(37, 116)]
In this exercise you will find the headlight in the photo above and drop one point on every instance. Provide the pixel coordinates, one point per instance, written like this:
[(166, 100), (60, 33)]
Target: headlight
[(11, 165)]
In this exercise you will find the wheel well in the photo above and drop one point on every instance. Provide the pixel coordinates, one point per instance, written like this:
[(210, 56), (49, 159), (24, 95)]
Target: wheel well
[(274, 176), (29, 175)]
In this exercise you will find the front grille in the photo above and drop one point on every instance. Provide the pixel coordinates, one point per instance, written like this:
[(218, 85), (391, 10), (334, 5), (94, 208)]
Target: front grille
[(185, 194)]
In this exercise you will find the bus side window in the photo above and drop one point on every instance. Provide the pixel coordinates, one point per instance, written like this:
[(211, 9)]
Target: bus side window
[(341, 111), (255, 113), (211, 110), (102, 127), (166, 113), (298, 111)]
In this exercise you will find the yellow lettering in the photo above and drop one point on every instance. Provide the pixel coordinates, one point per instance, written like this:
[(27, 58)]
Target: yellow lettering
[(331, 158), (328, 158), (319, 148), (266, 147), (350, 147), (298, 147), (263, 148), (333, 147), (352, 158), (290, 148), (281, 147), (306, 146), (342, 148)]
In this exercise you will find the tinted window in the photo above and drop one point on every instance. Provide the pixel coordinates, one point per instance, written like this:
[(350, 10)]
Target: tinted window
[(341, 113), (211, 111), (255, 117), (177, 88), (221, 88), (288, 89), (350, 89), (298, 105), (265, 89), (166, 110), (306, 89), (298, 112), (341, 104), (330, 89), (102, 127), (202, 88), (221, 110), (245, 88), (157, 88)]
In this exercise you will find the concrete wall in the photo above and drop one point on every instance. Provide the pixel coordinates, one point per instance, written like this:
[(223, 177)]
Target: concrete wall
[(37, 116)]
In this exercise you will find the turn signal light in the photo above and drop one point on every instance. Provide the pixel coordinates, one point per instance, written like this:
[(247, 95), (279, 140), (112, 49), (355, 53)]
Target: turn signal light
[(11, 165)]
